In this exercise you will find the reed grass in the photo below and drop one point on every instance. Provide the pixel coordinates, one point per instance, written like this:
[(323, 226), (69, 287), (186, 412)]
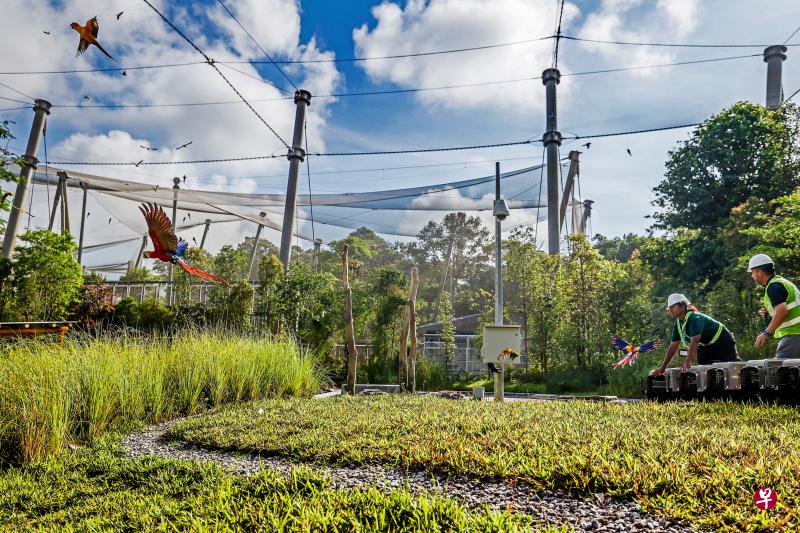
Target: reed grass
[(51, 395)]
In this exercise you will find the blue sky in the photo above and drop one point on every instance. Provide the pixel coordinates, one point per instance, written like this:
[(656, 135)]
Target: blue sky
[(325, 29)]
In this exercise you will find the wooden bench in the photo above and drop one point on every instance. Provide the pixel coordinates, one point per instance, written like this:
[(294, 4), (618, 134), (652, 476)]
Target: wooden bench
[(35, 329)]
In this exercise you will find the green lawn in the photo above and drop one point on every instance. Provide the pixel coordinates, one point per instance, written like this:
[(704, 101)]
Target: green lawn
[(97, 489), (698, 463)]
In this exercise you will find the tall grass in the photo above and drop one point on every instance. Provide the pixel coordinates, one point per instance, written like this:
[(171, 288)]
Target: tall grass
[(51, 395)]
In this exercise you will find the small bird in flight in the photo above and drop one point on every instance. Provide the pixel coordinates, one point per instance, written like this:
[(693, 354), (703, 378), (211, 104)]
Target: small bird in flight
[(109, 220), (139, 163), (148, 148), (46, 32), (88, 35), (119, 14), (183, 145), (124, 72), (194, 240), (587, 145), (629, 152), (88, 98)]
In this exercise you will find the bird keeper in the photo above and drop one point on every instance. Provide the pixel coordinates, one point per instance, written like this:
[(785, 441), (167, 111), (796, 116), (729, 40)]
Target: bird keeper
[(707, 340), (782, 303)]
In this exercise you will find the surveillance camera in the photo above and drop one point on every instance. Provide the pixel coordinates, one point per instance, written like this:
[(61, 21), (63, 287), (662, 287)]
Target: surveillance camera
[(500, 210)]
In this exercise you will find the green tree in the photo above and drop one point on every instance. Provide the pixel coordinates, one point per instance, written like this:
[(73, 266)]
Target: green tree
[(447, 335), (44, 275), (183, 280), (389, 285), (583, 288), (619, 248), (745, 151), (140, 274), (7, 160)]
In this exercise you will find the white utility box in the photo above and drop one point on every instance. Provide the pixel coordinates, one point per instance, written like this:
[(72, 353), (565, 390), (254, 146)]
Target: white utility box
[(498, 338)]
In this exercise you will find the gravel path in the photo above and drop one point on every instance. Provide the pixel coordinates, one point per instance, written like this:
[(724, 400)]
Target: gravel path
[(599, 514)]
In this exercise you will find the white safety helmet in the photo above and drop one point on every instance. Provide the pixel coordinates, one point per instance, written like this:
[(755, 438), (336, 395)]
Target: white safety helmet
[(759, 260), (676, 299)]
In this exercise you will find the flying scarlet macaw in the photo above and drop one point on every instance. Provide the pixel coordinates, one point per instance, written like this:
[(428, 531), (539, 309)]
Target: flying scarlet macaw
[(88, 35), (168, 247), (631, 352)]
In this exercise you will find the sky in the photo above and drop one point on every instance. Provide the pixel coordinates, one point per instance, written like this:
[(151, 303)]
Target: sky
[(620, 184)]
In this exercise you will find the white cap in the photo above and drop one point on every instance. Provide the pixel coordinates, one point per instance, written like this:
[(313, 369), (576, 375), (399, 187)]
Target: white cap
[(676, 299), (759, 260)]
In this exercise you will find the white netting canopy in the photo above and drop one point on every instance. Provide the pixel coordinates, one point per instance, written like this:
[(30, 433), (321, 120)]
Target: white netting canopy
[(114, 236)]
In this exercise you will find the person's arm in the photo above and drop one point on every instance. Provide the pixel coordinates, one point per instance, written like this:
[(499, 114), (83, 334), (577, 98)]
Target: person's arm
[(673, 347), (692, 351), (777, 319)]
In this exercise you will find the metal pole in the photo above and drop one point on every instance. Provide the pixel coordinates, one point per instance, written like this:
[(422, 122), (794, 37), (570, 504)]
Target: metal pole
[(317, 245), (175, 186), (64, 203), (56, 200), (205, 232), (41, 109), (255, 247), (568, 189), (774, 57), (83, 222), (499, 379), (297, 154), (141, 251), (587, 211), (552, 140)]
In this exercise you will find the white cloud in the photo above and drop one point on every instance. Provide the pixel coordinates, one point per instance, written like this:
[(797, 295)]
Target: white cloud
[(450, 24), (634, 20), (139, 37)]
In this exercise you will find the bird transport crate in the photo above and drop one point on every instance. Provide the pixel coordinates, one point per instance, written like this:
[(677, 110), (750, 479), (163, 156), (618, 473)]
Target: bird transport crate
[(733, 371), (760, 374), (788, 380), (499, 339)]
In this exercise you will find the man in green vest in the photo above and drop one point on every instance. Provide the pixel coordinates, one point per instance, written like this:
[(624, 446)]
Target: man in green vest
[(707, 340), (782, 302)]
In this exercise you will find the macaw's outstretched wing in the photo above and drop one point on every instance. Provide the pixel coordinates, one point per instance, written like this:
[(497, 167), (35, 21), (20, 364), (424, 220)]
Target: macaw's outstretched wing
[(196, 272), (627, 360), (619, 344), (649, 346), (93, 26), (161, 232), (181, 248)]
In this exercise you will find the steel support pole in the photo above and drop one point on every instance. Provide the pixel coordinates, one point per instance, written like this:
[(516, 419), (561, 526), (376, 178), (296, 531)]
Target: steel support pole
[(774, 56), (552, 140), (255, 247), (176, 186), (569, 184), (205, 233), (41, 109), (297, 154), (141, 251), (56, 200), (64, 203), (83, 222), (500, 378)]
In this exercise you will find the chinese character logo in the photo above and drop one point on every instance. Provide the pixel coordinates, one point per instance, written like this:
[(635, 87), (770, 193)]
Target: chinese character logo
[(765, 498)]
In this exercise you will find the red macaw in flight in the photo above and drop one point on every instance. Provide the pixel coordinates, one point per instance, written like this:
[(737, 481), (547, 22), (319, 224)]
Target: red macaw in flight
[(631, 352), (168, 247)]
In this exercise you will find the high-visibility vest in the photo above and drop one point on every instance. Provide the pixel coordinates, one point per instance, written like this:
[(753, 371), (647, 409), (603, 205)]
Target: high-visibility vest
[(790, 324), (685, 340)]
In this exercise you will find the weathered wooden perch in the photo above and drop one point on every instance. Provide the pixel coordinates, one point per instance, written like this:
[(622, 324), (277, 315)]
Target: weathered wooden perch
[(408, 334), (349, 334)]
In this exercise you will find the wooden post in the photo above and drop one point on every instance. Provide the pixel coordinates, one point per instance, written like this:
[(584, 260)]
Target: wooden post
[(404, 377), (349, 334), (412, 333)]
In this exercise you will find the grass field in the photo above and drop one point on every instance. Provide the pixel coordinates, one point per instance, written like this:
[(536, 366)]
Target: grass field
[(698, 463), (50, 395), (96, 489)]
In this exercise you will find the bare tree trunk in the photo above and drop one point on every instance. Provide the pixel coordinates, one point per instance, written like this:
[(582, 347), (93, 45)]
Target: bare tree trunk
[(409, 324), (349, 334)]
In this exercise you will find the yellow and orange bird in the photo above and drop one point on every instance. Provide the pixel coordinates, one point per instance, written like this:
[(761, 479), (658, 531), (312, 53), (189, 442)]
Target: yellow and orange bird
[(88, 35)]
